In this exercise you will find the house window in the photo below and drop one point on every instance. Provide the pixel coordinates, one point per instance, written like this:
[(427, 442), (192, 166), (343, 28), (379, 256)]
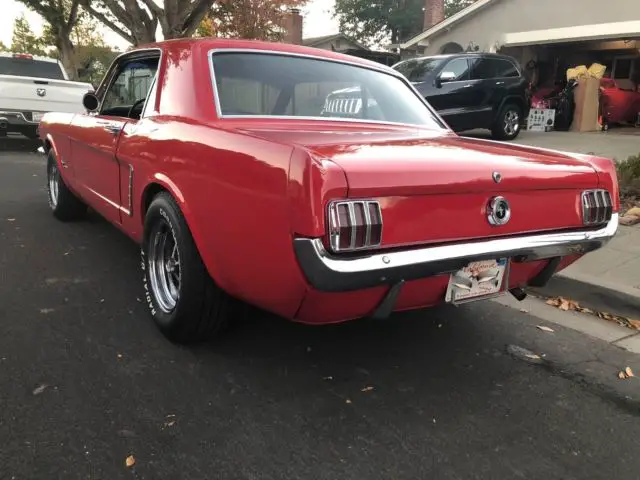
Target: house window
[(622, 68)]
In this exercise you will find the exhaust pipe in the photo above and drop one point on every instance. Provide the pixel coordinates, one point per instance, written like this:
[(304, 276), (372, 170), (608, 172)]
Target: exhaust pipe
[(519, 293)]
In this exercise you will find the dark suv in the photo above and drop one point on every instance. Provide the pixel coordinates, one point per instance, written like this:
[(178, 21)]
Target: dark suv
[(473, 90)]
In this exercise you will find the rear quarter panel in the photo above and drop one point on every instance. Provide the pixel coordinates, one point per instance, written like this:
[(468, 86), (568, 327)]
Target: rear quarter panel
[(232, 190)]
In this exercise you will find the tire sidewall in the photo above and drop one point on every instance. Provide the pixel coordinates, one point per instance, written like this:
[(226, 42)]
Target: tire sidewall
[(162, 210), (51, 161)]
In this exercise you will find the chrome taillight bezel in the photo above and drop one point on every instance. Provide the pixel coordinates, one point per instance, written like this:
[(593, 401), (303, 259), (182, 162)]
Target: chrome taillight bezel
[(334, 225), (597, 207)]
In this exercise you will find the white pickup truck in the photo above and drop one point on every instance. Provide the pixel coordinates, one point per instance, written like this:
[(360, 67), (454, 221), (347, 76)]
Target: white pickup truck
[(30, 86)]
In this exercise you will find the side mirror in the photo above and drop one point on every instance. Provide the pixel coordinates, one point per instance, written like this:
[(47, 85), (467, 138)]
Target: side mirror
[(445, 77), (90, 101)]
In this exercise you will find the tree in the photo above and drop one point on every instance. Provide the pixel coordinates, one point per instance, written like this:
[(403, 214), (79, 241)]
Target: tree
[(24, 40), (137, 20), (249, 19), (451, 7), (395, 20), (91, 55), (61, 17), (3, 47)]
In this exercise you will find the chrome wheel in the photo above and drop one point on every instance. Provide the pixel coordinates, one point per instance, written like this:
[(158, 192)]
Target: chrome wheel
[(54, 178), (164, 267), (511, 123)]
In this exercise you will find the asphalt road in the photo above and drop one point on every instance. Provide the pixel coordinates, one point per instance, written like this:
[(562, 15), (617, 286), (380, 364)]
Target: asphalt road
[(86, 380)]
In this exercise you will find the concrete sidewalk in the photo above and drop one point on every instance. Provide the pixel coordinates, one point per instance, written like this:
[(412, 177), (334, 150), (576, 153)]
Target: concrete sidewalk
[(607, 280)]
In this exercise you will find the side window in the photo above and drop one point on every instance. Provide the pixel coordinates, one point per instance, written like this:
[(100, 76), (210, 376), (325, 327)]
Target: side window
[(130, 87), (485, 68), (459, 67)]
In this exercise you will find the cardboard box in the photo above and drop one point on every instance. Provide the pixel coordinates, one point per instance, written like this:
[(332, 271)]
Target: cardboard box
[(586, 95)]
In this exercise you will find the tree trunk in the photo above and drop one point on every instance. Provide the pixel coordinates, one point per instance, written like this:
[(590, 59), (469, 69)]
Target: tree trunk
[(68, 57)]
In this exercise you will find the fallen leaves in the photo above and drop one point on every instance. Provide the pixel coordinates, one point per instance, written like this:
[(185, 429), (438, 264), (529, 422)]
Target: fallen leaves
[(130, 461), (626, 373), (545, 329), (567, 304), (40, 389), (631, 217)]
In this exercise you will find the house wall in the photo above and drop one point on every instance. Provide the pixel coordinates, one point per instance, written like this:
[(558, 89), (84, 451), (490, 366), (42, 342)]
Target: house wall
[(486, 27)]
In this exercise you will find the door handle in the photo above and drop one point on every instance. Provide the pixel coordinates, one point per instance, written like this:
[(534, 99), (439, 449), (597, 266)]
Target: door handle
[(114, 129), (499, 83)]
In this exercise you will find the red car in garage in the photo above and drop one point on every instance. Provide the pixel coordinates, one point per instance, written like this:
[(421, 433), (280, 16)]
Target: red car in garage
[(219, 158)]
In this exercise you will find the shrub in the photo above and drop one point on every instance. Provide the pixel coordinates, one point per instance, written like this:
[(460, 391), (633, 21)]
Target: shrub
[(629, 176)]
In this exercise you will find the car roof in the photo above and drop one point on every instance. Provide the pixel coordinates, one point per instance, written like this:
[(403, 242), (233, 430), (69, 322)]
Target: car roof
[(210, 43), (455, 55)]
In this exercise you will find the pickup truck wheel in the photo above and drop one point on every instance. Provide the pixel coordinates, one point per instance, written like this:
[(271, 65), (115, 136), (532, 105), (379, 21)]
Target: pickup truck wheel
[(507, 123), (183, 299), (64, 204)]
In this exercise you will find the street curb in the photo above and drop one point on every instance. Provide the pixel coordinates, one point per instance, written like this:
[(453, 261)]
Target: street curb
[(593, 293)]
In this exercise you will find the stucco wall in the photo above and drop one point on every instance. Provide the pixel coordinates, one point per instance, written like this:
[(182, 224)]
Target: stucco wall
[(486, 27)]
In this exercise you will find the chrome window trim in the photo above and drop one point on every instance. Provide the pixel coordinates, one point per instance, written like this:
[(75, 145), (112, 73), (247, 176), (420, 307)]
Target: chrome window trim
[(151, 94), (382, 69), (334, 273), (109, 77)]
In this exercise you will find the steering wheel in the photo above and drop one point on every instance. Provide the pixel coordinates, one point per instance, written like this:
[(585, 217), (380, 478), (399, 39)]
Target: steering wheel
[(137, 102)]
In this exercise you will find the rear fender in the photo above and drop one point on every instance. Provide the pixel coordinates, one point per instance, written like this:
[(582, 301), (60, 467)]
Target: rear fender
[(158, 182), (607, 176), (512, 99)]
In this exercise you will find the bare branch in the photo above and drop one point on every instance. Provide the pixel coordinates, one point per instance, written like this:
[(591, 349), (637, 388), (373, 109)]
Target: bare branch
[(154, 8), (73, 15), (193, 18), (106, 21)]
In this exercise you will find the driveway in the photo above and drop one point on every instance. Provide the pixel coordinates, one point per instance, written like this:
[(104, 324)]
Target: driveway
[(86, 380), (617, 145)]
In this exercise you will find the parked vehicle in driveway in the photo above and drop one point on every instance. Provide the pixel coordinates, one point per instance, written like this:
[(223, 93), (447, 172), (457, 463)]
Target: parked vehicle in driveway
[(30, 86), (473, 90), (239, 185)]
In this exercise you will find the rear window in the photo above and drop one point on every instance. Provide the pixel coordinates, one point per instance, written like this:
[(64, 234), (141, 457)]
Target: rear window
[(417, 69), (27, 67), (265, 84)]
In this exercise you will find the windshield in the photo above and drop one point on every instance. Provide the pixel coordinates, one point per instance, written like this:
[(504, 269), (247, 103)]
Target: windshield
[(27, 67), (265, 84), (417, 69)]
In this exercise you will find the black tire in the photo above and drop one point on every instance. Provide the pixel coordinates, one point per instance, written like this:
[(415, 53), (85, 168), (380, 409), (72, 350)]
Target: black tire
[(63, 203), (201, 310), (500, 129)]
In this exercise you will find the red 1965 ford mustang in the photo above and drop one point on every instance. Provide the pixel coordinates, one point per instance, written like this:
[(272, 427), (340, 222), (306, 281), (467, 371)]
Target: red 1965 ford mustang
[(245, 176)]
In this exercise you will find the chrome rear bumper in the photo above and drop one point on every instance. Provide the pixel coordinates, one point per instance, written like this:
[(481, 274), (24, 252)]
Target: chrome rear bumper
[(332, 273)]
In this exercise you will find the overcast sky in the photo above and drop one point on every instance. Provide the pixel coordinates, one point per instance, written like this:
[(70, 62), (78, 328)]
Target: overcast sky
[(317, 16)]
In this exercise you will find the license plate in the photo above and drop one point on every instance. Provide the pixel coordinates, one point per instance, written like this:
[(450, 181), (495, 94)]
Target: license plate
[(37, 116), (477, 280)]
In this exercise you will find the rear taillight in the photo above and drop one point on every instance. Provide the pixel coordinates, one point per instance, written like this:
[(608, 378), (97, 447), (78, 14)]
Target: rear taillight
[(23, 55), (597, 207), (354, 225)]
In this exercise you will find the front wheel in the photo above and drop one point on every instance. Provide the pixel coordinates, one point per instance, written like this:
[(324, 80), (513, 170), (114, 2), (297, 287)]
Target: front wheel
[(507, 123), (183, 299), (63, 203)]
